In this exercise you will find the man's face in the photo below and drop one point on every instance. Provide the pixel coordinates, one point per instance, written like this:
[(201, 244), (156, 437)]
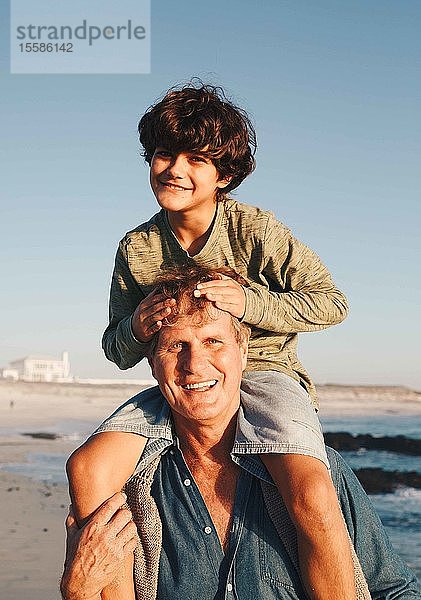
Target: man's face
[(199, 369), (184, 182)]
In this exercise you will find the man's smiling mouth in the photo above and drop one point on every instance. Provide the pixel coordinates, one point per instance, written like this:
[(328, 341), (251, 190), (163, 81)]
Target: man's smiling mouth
[(203, 385)]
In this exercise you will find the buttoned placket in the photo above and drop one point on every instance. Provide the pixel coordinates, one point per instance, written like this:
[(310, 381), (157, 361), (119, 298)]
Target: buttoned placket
[(204, 521), (241, 498), (210, 535)]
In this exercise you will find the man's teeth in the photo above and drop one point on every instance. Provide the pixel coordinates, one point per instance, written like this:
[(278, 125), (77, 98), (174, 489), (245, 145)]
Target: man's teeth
[(203, 384)]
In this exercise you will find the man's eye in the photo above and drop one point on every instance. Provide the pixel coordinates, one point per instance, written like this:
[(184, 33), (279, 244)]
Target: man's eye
[(176, 346), (213, 341), (198, 159)]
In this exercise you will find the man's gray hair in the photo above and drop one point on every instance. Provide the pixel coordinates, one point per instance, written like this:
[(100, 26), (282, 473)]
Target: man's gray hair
[(180, 283)]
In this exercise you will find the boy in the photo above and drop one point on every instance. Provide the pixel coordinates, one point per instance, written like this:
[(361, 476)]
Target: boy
[(200, 147)]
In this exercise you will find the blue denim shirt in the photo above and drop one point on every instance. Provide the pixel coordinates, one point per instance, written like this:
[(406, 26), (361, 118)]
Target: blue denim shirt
[(193, 564), (256, 565)]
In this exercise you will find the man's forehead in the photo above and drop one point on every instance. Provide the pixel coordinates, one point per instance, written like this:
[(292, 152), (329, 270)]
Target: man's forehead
[(206, 326)]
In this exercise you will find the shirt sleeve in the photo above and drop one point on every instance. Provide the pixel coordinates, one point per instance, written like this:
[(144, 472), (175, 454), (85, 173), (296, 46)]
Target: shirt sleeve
[(118, 342), (388, 577), (297, 293)]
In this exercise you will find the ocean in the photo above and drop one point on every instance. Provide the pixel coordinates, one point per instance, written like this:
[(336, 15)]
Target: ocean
[(400, 511)]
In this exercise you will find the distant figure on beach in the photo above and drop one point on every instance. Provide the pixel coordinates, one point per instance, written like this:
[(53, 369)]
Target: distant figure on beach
[(209, 527), (12, 403), (200, 147)]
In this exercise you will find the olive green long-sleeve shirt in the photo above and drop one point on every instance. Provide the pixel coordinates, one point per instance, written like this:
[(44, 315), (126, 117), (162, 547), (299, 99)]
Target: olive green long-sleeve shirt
[(290, 291)]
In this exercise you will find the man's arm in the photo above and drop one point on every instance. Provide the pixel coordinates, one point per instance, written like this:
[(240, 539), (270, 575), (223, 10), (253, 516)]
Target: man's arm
[(387, 575), (96, 552)]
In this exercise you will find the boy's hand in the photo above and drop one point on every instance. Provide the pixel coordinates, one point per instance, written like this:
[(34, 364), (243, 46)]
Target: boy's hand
[(225, 293), (148, 316)]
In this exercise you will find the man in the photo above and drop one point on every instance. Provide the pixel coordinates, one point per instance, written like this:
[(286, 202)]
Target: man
[(210, 527)]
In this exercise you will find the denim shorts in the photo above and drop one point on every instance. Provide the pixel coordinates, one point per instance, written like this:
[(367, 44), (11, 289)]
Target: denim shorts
[(276, 416)]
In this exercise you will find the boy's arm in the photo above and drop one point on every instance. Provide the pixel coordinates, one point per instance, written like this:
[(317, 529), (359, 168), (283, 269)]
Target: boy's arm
[(302, 295), (96, 471), (118, 341)]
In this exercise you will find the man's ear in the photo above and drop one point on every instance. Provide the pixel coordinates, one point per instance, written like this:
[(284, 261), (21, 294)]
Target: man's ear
[(151, 364), (244, 359), (244, 347)]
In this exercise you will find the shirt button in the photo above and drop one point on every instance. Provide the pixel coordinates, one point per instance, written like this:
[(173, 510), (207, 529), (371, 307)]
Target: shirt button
[(208, 530), (229, 587), (187, 482)]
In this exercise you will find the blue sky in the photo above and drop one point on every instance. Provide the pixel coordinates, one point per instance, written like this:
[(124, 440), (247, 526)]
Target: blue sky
[(334, 89)]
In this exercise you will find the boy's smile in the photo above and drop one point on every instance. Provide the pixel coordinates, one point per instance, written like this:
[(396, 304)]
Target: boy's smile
[(184, 182), (173, 186)]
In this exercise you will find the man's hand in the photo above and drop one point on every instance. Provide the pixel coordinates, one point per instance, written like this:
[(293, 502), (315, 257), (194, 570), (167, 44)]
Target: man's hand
[(225, 293), (148, 316), (95, 553)]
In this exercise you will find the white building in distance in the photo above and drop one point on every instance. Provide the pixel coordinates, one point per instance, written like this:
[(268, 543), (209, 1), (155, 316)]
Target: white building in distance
[(39, 368)]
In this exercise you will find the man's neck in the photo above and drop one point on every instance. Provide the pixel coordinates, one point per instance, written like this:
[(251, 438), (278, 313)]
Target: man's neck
[(207, 446)]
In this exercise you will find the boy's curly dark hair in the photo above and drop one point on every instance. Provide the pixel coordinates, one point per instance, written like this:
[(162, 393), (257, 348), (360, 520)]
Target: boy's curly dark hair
[(198, 117)]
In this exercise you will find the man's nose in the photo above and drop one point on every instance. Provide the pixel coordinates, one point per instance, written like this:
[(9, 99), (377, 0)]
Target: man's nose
[(177, 167), (193, 359)]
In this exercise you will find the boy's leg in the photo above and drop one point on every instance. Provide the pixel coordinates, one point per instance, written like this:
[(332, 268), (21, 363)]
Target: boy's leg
[(100, 468), (102, 465), (96, 471), (278, 422), (324, 551)]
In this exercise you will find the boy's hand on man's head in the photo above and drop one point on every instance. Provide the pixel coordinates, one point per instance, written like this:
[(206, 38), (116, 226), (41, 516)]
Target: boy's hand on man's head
[(225, 293), (148, 316)]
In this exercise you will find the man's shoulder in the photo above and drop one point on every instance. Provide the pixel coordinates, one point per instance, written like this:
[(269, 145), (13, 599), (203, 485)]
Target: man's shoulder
[(339, 469)]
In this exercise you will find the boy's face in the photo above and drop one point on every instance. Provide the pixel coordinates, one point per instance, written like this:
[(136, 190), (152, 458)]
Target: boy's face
[(184, 182)]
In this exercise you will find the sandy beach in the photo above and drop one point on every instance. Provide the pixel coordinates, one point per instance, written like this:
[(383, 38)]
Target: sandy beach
[(32, 530)]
